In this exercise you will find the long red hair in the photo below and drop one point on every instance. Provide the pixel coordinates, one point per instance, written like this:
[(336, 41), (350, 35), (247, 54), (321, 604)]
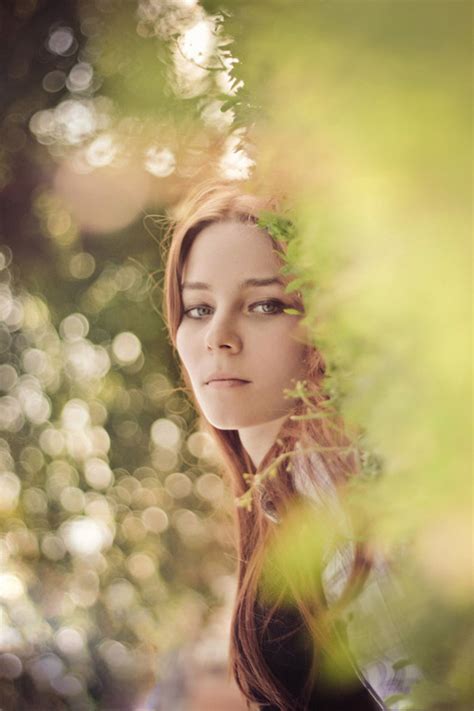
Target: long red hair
[(215, 202)]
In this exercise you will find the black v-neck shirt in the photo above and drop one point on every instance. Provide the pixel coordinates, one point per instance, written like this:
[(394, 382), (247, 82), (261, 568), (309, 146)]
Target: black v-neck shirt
[(288, 650)]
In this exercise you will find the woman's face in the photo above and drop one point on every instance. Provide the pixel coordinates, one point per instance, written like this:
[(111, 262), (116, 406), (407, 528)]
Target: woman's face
[(238, 329)]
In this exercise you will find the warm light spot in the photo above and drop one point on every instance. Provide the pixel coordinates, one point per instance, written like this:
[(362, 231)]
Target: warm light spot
[(157, 386), (36, 405), (10, 487), (127, 277), (133, 528), (68, 685), (85, 536), (101, 151), (98, 412), (6, 459), (84, 360), (36, 312), (35, 501), (11, 415), (53, 547), (82, 265), (74, 121), (54, 81), (62, 41), (11, 587), (100, 441), (165, 433), (115, 654), (60, 474), (126, 347), (10, 666), (160, 161), (201, 445), (59, 223), (194, 50), (32, 459), (99, 507), (98, 473), (74, 327), (75, 415), (178, 485), (155, 519), (42, 125), (35, 361), (212, 115), (235, 163), (8, 377), (164, 459), (141, 565), (46, 668), (211, 487), (120, 595), (80, 77), (5, 257), (10, 638), (106, 199), (6, 302), (52, 442), (72, 499), (14, 319), (189, 526), (70, 641), (198, 42)]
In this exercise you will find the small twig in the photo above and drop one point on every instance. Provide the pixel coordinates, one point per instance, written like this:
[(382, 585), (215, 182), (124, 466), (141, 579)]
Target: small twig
[(245, 500)]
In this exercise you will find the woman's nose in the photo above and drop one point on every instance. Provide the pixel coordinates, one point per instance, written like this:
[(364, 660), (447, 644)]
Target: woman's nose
[(222, 334)]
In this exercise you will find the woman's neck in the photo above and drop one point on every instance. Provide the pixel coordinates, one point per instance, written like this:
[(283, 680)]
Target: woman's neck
[(258, 439)]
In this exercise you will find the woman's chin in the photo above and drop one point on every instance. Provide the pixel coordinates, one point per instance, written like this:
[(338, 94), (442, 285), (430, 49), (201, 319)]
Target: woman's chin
[(224, 421), (226, 424)]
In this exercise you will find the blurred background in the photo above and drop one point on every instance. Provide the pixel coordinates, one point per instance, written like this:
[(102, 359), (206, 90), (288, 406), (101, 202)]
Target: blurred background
[(116, 551)]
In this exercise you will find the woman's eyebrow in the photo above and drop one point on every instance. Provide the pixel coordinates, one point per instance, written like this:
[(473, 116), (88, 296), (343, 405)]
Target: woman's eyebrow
[(253, 281)]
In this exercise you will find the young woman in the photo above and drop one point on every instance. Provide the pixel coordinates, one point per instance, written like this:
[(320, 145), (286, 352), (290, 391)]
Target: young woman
[(240, 351)]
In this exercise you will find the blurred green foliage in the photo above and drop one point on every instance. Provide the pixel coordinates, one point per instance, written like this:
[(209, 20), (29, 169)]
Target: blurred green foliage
[(366, 121)]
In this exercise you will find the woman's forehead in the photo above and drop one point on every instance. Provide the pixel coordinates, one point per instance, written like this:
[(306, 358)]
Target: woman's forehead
[(231, 248)]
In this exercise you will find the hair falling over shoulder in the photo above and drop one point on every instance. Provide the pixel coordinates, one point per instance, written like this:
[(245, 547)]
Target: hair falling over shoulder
[(214, 202)]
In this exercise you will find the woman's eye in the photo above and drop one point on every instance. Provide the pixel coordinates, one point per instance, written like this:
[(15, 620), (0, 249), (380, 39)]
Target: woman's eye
[(187, 312), (277, 306)]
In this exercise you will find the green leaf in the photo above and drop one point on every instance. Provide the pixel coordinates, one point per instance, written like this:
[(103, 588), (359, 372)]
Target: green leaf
[(229, 104), (292, 251), (277, 226), (294, 285)]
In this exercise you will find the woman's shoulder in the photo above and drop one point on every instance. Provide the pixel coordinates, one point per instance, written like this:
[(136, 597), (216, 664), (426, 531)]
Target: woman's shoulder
[(310, 475), (313, 481), (373, 628)]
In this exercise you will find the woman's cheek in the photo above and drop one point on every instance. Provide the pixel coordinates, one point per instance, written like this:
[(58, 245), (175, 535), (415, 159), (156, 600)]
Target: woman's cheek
[(283, 335), (182, 343)]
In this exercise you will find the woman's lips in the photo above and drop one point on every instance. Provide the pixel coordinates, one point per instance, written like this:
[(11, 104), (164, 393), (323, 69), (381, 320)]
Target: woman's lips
[(227, 383)]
